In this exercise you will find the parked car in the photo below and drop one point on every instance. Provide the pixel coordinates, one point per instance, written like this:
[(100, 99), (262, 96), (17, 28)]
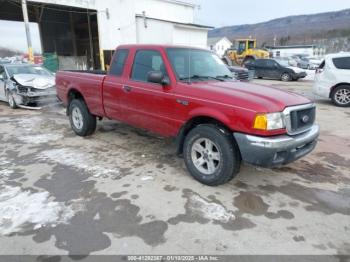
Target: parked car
[(22, 85), (241, 73), (290, 61), (273, 69), (4, 61), (187, 93), (333, 79), (303, 62)]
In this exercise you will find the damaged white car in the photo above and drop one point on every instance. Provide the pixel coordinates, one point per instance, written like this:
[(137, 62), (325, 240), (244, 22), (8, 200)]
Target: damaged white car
[(26, 86)]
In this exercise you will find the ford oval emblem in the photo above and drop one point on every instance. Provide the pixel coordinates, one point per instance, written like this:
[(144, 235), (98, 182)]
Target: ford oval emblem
[(305, 119)]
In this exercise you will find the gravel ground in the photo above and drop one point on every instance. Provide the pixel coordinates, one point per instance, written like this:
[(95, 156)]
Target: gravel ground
[(123, 191)]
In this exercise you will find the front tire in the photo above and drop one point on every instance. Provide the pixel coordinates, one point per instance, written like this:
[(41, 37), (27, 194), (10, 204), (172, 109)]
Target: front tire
[(341, 96), (211, 155), (82, 122), (286, 77), (11, 101)]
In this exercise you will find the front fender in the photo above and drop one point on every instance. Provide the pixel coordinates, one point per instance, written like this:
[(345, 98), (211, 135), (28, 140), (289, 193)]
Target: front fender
[(211, 113)]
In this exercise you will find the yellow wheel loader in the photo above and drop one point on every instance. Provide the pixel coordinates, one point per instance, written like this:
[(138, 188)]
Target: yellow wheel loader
[(246, 52)]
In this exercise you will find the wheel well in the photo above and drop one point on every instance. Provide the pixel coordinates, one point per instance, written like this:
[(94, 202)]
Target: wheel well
[(186, 128), (73, 94), (334, 87)]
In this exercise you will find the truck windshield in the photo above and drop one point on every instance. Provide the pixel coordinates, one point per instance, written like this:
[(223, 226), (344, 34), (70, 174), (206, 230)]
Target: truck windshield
[(27, 69), (197, 65)]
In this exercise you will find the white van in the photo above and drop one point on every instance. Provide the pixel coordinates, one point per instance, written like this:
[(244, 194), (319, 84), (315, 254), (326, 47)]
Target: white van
[(333, 79)]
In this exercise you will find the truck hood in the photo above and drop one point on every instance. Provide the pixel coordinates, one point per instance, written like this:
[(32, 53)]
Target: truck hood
[(259, 98), (36, 81)]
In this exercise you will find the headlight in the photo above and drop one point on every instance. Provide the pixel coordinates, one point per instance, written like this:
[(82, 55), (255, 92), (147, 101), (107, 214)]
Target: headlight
[(271, 121)]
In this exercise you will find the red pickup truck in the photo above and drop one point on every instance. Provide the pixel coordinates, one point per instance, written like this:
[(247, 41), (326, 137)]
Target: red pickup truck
[(189, 94)]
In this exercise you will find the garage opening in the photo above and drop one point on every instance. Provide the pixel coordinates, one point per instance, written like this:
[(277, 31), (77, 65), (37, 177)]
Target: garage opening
[(70, 33)]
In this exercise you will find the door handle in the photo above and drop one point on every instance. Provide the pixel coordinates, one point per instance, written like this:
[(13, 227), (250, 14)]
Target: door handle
[(127, 88)]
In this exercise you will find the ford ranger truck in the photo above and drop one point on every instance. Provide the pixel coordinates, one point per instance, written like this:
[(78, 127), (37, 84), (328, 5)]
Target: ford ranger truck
[(189, 94)]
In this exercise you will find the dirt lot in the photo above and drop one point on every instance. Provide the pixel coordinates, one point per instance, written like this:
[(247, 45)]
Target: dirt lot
[(123, 191)]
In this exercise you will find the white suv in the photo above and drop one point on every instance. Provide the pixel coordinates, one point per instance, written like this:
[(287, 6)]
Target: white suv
[(333, 79)]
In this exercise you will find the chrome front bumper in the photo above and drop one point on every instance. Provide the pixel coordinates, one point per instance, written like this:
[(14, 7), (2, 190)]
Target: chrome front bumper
[(278, 150)]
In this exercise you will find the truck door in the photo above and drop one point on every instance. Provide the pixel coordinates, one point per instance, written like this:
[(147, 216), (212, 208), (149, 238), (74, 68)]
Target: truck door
[(149, 105), (112, 90)]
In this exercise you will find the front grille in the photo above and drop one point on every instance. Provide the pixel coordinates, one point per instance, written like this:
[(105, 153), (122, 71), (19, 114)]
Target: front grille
[(243, 75), (300, 118), (22, 89)]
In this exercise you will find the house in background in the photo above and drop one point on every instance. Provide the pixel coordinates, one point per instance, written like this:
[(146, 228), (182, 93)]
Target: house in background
[(290, 50), (219, 45)]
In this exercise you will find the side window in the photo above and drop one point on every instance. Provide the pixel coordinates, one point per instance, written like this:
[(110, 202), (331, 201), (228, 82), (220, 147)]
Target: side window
[(270, 63), (342, 62), (146, 61), (118, 62), (259, 62)]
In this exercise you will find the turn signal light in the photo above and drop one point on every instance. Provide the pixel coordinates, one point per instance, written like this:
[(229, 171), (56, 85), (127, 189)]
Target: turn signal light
[(260, 122)]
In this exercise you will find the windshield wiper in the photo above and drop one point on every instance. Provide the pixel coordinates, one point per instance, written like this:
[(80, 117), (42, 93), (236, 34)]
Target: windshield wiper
[(201, 77), (224, 77)]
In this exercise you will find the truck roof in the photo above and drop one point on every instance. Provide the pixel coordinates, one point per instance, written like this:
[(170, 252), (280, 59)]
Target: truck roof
[(145, 46)]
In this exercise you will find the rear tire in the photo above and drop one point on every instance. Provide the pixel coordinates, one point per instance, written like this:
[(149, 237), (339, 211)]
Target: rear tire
[(211, 155), (341, 96), (11, 101), (82, 122), (286, 77)]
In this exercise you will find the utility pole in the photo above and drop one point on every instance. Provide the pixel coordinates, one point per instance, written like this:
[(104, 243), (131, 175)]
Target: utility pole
[(92, 60), (26, 23)]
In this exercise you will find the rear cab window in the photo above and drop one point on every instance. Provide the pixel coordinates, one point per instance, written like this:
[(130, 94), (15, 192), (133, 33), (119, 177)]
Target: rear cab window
[(118, 62), (342, 62)]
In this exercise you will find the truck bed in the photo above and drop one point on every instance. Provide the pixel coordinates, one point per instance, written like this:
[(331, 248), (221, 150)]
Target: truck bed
[(87, 82)]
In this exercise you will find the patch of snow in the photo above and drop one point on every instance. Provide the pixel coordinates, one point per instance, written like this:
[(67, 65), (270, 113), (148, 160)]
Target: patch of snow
[(4, 161), (5, 172), (210, 210), (28, 124), (40, 139), (20, 209), (147, 178), (75, 158)]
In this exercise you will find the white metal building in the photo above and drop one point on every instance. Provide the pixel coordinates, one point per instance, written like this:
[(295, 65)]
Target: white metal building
[(142, 21), (286, 51), (94, 28), (219, 45)]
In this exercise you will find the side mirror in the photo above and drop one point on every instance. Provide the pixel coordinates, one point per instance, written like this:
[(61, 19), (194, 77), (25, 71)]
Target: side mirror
[(158, 77), (2, 77)]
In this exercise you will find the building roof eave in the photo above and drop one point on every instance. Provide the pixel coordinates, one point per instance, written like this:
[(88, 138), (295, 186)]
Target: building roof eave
[(189, 25)]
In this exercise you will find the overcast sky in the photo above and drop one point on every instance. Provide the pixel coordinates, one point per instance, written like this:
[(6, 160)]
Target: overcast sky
[(13, 36), (211, 12), (236, 12)]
